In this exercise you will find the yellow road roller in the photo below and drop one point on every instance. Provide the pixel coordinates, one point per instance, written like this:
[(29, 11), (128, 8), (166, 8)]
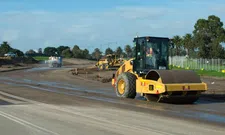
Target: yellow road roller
[(148, 74)]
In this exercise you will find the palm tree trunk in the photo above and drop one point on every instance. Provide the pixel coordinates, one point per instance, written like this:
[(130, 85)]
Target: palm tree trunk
[(187, 52)]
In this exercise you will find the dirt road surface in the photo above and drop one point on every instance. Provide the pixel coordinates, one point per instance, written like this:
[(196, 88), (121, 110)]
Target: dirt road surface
[(53, 101)]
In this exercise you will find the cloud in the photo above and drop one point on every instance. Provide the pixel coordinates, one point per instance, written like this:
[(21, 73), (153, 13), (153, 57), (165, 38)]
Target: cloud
[(39, 29), (218, 8), (133, 12)]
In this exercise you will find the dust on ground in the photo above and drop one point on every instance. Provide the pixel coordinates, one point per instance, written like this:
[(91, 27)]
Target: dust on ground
[(93, 73)]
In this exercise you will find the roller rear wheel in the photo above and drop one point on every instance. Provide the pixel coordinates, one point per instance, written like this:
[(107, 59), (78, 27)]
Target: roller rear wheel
[(126, 85)]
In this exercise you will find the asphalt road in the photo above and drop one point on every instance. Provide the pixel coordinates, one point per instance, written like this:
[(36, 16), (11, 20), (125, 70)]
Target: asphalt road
[(30, 105), (31, 117)]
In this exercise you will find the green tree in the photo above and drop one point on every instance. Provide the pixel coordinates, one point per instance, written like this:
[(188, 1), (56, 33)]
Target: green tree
[(133, 51), (18, 52), (77, 52), (208, 36), (119, 51), (188, 43), (128, 50), (31, 51), (61, 48), (67, 53), (171, 48), (123, 55), (96, 54), (5, 48), (108, 51), (85, 54), (51, 51), (177, 40)]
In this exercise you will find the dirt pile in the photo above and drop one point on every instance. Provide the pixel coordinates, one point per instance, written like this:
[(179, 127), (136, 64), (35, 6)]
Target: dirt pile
[(5, 62), (30, 60), (93, 73), (106, 80), (77, 71), (76, 61), (18, 61)]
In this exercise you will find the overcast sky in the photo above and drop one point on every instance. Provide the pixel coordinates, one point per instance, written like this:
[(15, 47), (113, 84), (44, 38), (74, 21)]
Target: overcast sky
[(33, 24)]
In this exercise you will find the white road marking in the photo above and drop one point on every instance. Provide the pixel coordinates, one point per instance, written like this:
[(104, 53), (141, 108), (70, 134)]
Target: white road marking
[(102, 121), (26, 123), (10, 100), (19, 98), (98, 120)]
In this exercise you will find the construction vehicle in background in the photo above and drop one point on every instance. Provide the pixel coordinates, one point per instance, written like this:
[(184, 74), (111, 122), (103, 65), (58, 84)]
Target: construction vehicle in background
[(54, 62), (148, 74), (110, 62)]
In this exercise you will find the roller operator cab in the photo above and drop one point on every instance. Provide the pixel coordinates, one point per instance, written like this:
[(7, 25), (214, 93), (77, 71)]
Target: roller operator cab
[(148, 74), (150, 53)]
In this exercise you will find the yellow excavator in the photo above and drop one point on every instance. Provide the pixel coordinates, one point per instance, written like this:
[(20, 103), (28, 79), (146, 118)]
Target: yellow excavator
[(148, 74), (110, 61)]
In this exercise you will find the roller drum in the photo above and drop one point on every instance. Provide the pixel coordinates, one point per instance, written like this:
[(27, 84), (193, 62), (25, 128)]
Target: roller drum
[(174, 77)]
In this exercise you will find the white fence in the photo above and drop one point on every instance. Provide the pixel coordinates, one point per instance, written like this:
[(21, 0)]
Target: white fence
[(206, 64)]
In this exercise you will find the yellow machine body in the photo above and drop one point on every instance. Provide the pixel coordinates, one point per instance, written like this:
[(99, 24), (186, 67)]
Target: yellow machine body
[(110, 61), (144, 86), (102, 64), (175, 86)]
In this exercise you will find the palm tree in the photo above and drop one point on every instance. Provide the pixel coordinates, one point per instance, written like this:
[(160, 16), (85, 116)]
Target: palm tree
[(187, 41), (177, 40), (128, 50)]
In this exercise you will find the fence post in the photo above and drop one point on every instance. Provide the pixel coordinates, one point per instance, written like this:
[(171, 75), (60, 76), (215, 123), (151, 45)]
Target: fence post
[(198, 61), (213, 63), (219, 65), (182, 63)]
